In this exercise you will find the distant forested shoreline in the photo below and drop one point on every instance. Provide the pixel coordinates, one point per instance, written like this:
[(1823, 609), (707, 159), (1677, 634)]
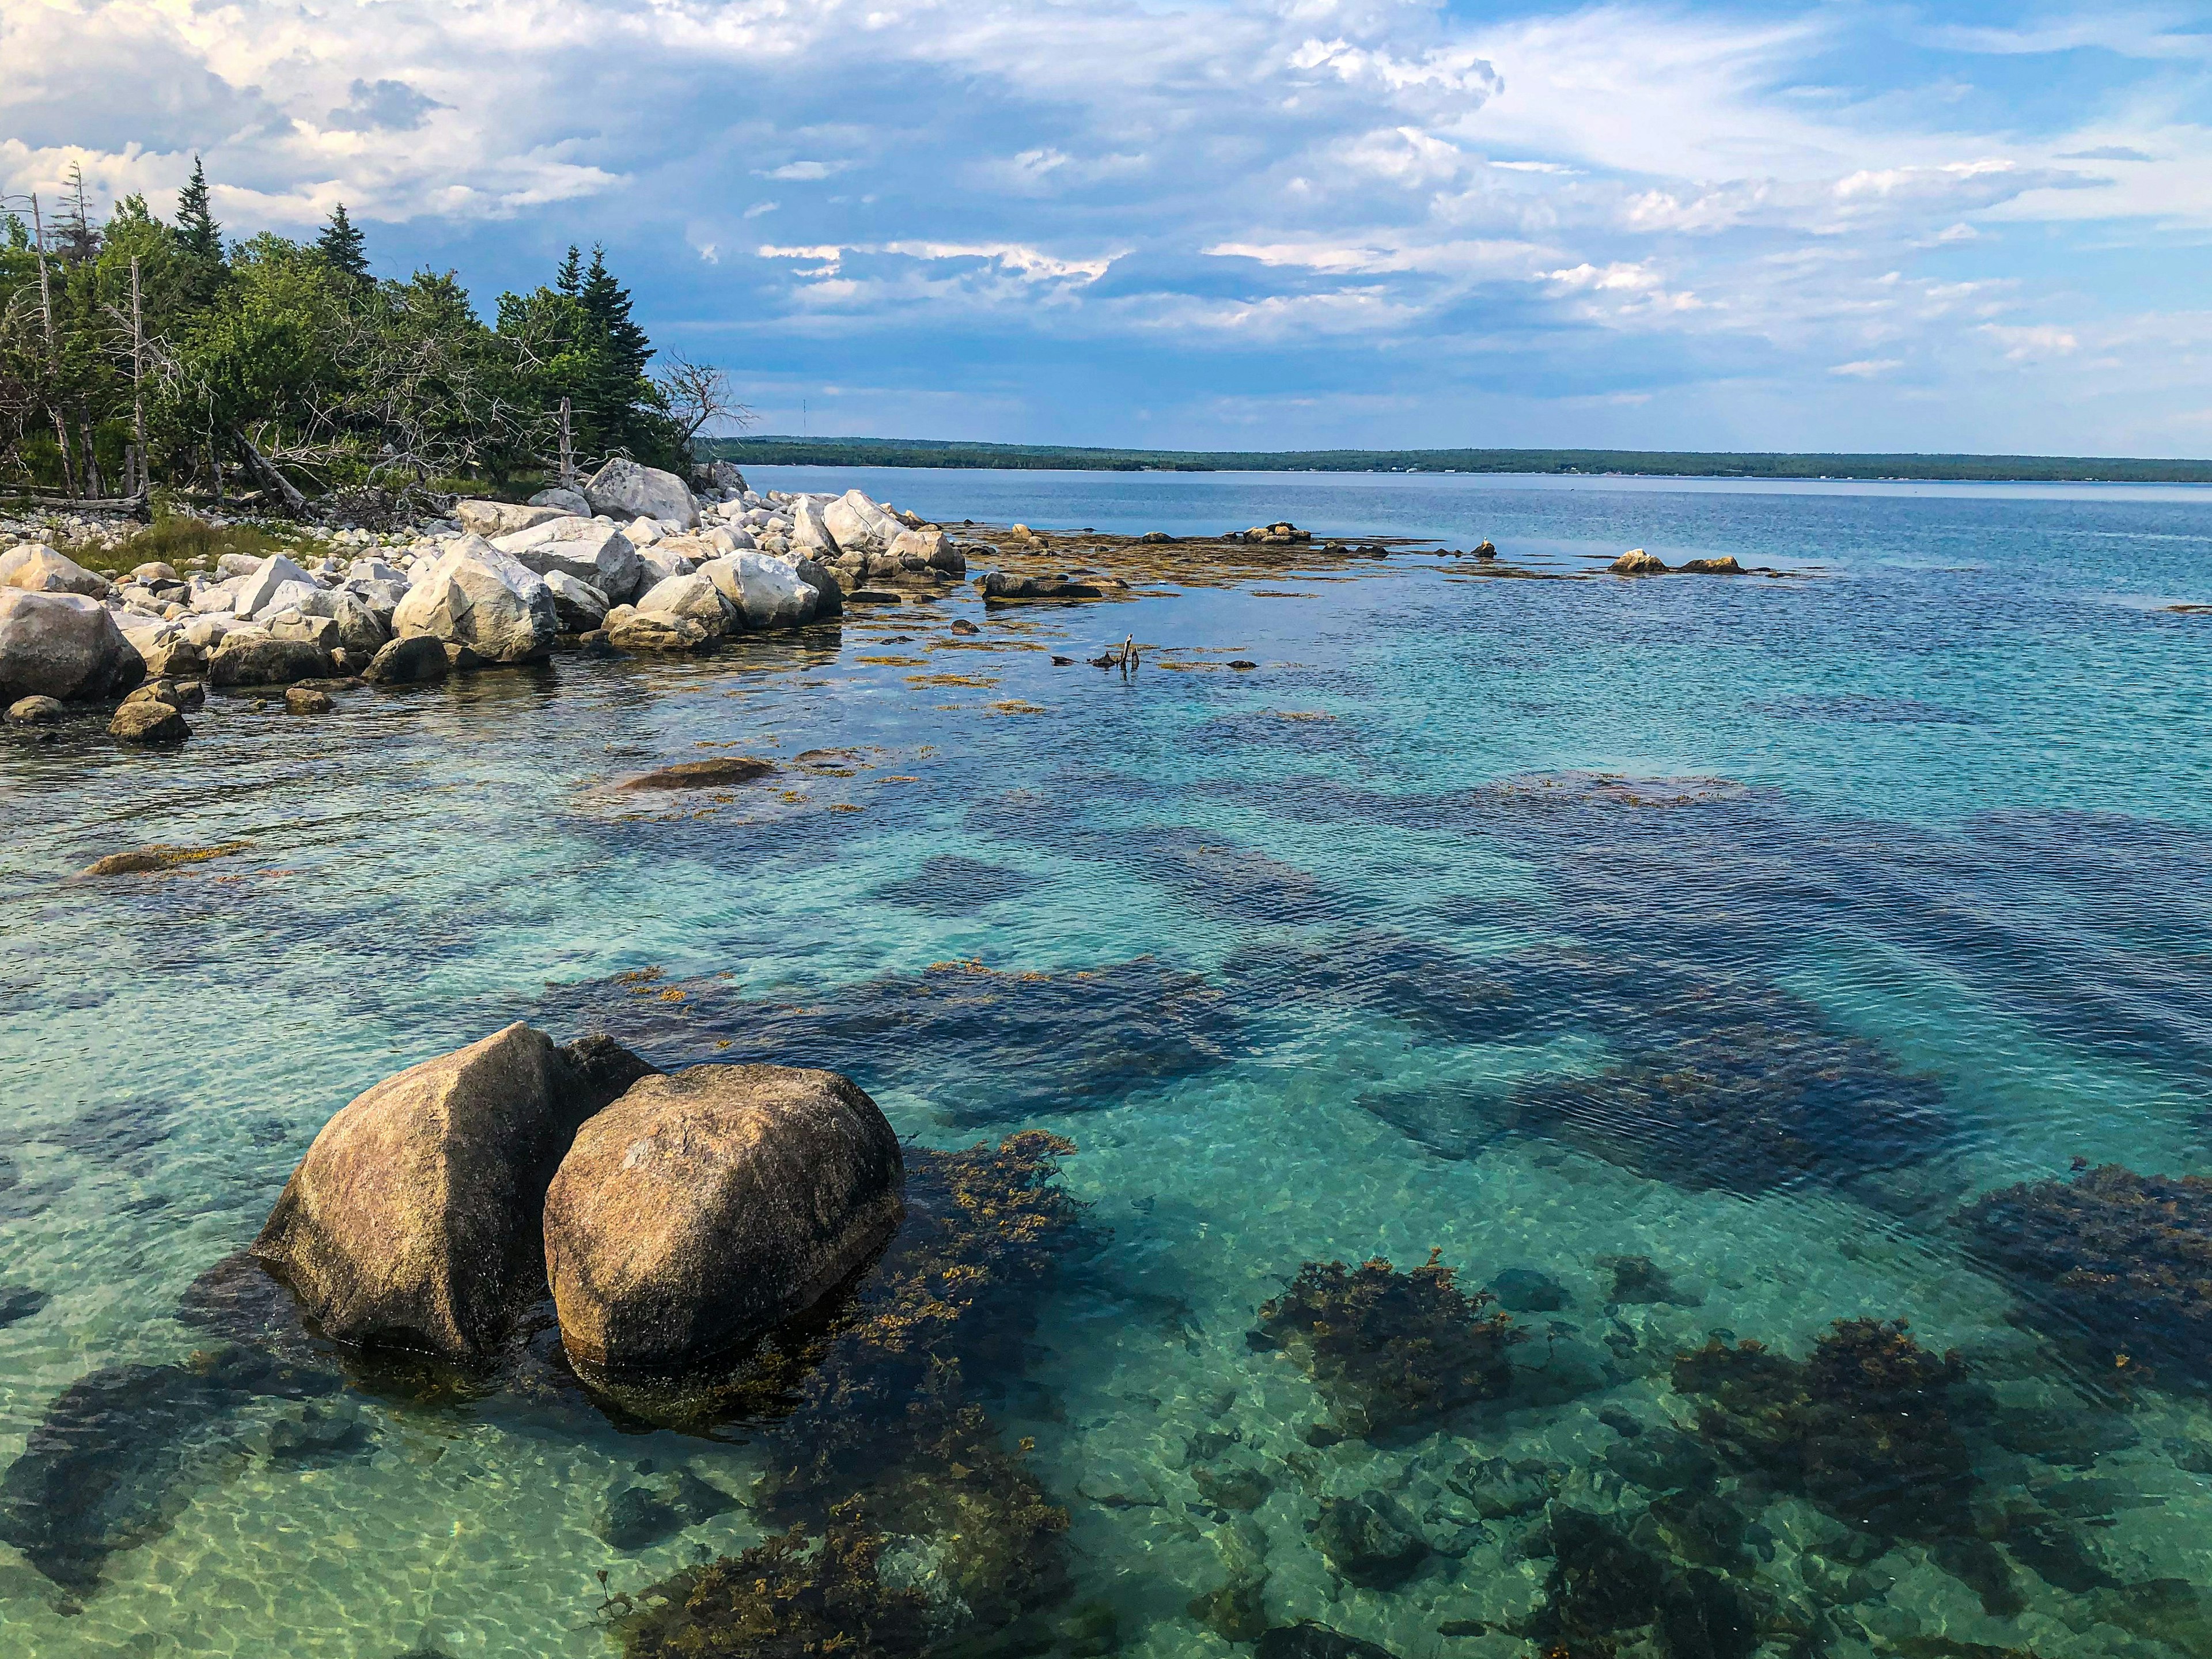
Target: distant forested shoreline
[(922, 453)]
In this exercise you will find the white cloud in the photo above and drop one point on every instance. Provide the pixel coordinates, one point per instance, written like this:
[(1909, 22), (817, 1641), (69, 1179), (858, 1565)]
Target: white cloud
[(2032, 343), (1868, 369)]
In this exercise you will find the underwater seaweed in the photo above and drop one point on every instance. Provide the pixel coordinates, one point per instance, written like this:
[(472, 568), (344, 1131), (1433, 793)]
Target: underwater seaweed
[(1868, 1428), (1606, 1593), (879, 1460), (797, 1595), (2125, 1258), (1387, 1347)]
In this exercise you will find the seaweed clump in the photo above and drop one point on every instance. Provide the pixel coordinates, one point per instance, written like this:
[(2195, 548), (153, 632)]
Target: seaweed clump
[(2126, 1258), (909, 1522), (1387, 1347), (1867, 1428), (791, 1596)]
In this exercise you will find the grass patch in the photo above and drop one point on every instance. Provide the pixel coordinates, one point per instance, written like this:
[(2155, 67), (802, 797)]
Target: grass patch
[(180, 541)]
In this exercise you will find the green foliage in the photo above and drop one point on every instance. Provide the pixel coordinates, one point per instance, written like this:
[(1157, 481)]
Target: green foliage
[(292, 362), (342, 245), (179, 541), (1387, 1348)]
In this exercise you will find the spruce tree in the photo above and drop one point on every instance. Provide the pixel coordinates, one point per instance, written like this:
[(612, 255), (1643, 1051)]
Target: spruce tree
[(198, 233), (342, 247), (75, 231), (569, 279)]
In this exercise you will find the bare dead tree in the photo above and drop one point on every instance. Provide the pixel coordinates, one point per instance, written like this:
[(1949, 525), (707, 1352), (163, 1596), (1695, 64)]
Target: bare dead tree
[(698, 396)]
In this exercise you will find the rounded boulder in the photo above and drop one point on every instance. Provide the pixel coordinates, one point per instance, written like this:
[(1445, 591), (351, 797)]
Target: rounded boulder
[(412, 1221), (706, 1205)]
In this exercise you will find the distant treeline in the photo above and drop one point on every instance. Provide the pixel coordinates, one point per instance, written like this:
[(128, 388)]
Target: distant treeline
[(905, 452)]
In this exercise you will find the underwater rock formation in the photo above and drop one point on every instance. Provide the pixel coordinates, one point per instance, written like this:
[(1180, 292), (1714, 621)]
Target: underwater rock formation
[(1387, 1347), (1370, 1541), (706, 1205), (110, 1464), (2124, 1259)]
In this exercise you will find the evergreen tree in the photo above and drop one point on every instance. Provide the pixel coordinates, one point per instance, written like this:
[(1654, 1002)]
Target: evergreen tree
[(197, 231), (621, 344), (199, 238), (569, 279), (342, 247)]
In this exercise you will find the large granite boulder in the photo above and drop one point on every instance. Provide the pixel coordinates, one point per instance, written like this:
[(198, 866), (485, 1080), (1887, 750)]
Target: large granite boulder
[(413, 1222), (624, 490), (705, 1205), (808, 533), (631, 629), (476, 596), (857, 524), (256, 593), (766, 590), (695, 597), (562, 500), (62, 645), (596, 554), (254, 656), (37, 569), (498, 517), (928, 549), (581, 607)]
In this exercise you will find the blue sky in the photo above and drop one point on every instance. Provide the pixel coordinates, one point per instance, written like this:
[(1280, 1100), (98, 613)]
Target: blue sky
[(1307, 222)]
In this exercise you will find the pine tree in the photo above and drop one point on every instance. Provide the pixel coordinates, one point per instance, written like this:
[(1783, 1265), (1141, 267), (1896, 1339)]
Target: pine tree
[(197, 232), (606, 314), (342, 247)]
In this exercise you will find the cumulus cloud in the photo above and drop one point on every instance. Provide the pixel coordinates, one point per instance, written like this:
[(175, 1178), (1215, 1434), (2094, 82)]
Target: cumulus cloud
[(1358, 188)]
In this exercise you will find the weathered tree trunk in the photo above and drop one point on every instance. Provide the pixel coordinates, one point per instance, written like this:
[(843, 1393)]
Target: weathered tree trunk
[(94, 485), (271, 479)]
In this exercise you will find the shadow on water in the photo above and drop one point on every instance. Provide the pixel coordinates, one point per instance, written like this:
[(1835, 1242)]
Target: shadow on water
[(982, 1045)]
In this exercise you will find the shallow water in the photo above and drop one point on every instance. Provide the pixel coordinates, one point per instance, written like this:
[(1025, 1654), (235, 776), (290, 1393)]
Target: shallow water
[(1912, 875)]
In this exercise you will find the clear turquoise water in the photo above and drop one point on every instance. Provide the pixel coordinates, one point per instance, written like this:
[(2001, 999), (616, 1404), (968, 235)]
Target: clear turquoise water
[(1947, 822)]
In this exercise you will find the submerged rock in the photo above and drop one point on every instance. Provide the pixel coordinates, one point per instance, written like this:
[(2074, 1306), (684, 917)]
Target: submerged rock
[(721, 772), (1370, 1539), (638, 1516), (704, 1205), (20, 1302), (413, 1220), (144, 860), (109, 1465), (1605, 1592), (1528, 1290)]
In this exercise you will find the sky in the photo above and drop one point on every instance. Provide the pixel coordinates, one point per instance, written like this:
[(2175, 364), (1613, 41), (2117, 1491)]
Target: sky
[(1257, 224)]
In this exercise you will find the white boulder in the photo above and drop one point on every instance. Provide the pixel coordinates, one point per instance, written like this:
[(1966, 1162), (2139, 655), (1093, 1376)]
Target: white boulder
[(477, 596), (624, 490), (808, 532), (856, 523), (500, 517), (595, 554), (255, 592), (694, 598), (373, 569), (766, 592), (660, 564), (306, 598), (644, 532), (61, 645), (34, 567)]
